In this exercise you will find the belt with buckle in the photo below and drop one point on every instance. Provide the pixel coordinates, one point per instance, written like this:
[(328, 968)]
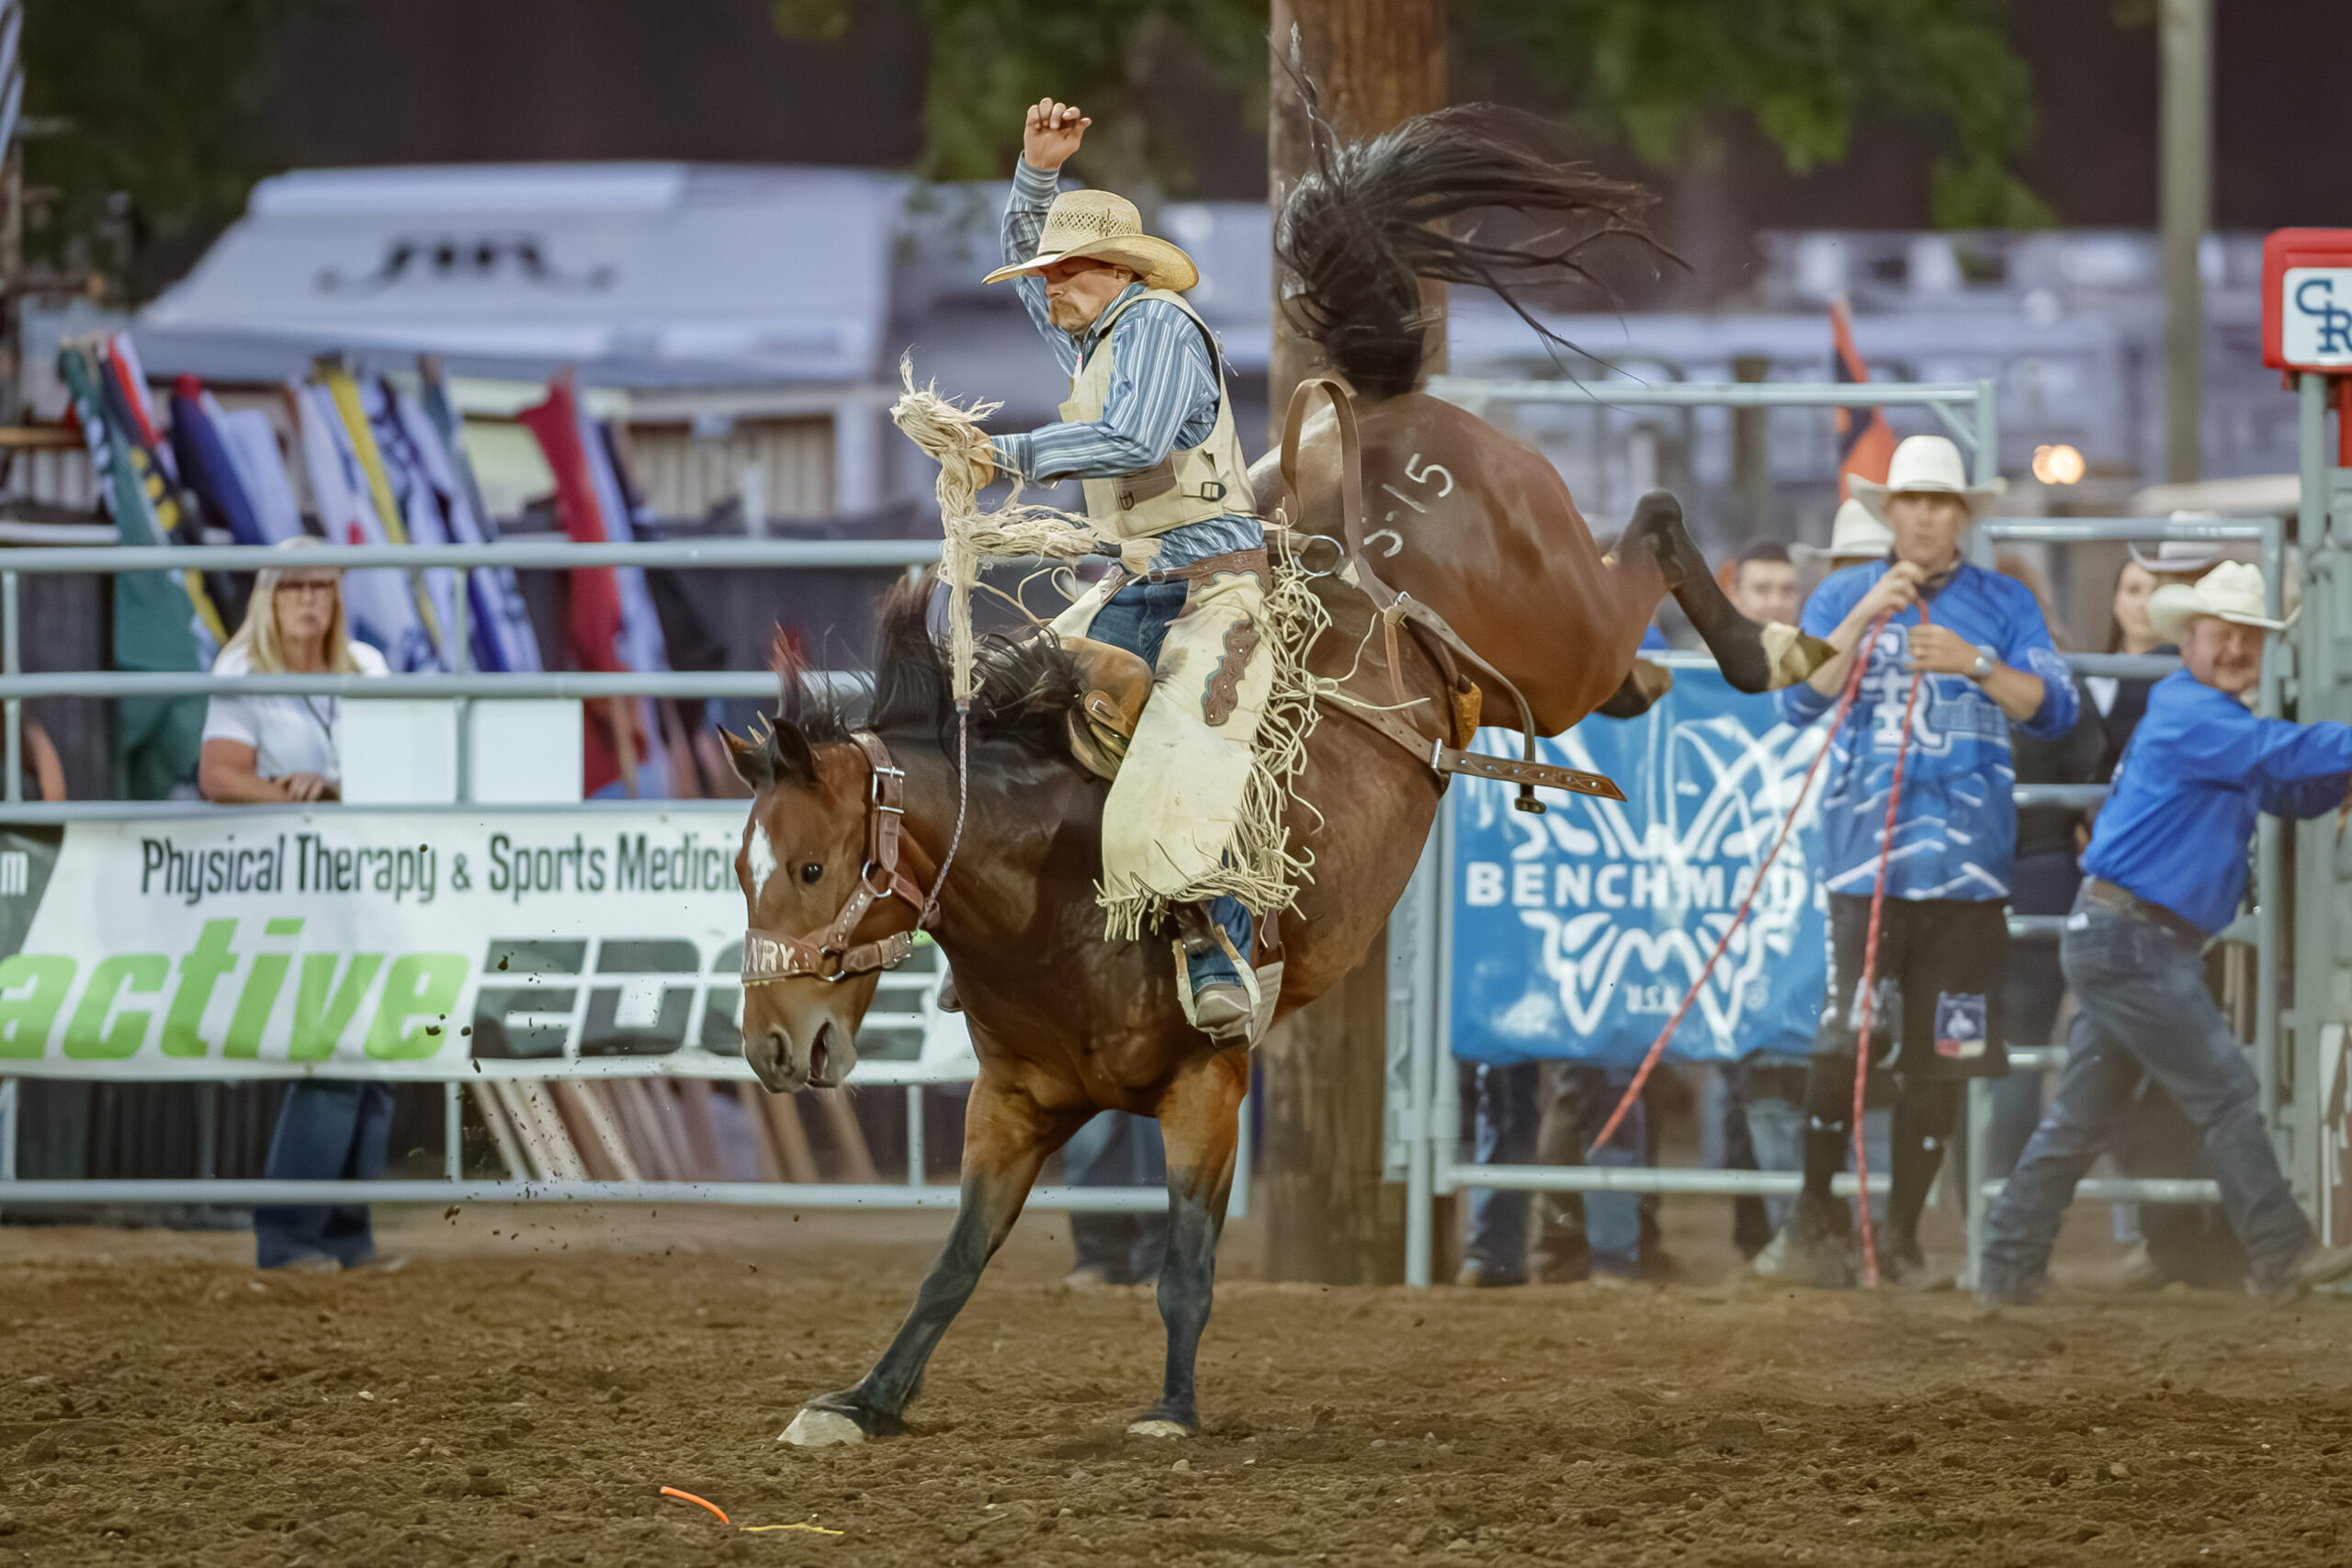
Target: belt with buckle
[(2123, 901), (1253, 562)]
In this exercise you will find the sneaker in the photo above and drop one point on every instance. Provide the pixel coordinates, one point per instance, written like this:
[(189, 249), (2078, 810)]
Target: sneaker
[(2317, 1266), (2134, 1271), (1992, 1298), (1811, 1249), (1477, 1276)]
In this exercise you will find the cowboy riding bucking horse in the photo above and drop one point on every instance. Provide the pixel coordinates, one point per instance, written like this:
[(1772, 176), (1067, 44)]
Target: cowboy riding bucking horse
[(1149, 428)]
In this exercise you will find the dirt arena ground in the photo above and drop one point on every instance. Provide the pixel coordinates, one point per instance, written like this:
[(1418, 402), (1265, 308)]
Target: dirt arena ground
[(520, 1391)]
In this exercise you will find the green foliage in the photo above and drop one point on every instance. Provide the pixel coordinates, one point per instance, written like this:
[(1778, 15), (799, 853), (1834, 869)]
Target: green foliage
[(161, 105), (1653, 73), (991, 59)]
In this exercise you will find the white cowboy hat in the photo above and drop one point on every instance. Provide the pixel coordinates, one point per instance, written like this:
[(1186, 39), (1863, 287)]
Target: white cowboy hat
[(1097, 225), (1854, 535), (1929, 464), (2185, 555), (2231, 592)]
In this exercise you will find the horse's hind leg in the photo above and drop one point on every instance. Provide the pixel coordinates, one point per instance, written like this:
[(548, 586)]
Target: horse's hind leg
[(1006, 1139), (1753, 658), (1199, 1123)]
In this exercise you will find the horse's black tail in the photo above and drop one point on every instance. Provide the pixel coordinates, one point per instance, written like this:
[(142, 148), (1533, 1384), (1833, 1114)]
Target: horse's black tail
[(1372, 218)]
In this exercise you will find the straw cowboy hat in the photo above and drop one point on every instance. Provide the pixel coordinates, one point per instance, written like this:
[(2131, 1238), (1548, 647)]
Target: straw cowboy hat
[(1854, 535), (1928, 464), (1097, 225), (2231, 592)]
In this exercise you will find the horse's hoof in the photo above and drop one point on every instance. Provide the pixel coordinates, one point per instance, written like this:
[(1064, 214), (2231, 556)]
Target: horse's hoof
[(1154, 1426), (815, 1428)]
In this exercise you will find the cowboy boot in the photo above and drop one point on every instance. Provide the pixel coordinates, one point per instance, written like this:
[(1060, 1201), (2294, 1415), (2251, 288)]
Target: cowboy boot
[(1221, 1008)]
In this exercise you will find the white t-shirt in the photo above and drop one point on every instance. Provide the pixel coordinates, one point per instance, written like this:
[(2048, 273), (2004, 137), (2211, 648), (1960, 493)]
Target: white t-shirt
[(289, 734)]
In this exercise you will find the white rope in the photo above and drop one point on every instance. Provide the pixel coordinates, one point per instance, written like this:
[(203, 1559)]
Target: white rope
[(951, 435), (1264, 870)]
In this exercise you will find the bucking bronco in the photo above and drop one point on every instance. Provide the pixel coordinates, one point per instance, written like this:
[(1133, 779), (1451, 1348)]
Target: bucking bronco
[(1078, 842)]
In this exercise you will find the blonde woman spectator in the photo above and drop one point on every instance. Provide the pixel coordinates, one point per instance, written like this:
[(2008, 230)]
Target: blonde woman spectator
[(267, 751)]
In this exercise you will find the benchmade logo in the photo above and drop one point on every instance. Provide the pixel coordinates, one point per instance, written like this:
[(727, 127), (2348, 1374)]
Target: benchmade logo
[(1577, 933)]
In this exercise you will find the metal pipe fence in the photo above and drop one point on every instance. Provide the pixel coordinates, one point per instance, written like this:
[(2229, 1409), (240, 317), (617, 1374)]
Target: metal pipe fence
[(1431, 1168), (463, 685)]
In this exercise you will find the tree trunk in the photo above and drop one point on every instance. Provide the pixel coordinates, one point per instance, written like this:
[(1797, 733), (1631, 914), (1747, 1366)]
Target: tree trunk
[(1329, 1217), (1373, 63)]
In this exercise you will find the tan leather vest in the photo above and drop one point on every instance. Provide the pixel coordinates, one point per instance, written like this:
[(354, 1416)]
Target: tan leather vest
[(1191, 484)]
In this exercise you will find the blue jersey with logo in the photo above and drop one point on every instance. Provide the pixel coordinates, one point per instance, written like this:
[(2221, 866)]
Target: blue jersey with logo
[(1956, 830)]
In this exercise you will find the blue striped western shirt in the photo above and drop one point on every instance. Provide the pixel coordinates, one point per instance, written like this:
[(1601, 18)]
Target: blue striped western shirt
[(1163, 390)]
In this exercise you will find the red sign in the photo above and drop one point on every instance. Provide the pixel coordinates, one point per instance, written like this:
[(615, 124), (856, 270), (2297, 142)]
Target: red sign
[(2307, 299)]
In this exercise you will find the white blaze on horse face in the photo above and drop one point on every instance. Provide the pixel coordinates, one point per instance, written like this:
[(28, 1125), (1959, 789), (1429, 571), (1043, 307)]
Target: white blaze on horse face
[(762, 856)]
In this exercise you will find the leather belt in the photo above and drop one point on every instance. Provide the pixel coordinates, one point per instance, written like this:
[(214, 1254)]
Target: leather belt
[(1252, 561), (2123, 901)]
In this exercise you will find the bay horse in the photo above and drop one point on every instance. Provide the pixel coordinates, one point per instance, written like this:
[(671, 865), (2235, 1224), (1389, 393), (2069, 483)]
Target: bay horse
[(859, 829)]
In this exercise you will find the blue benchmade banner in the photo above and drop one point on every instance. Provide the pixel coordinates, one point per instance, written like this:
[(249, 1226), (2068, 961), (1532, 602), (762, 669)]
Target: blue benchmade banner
[(1576, 933)]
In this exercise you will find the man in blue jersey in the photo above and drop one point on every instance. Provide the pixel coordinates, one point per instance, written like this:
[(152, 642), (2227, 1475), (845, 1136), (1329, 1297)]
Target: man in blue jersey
[(2165, 868), (1987, 661)]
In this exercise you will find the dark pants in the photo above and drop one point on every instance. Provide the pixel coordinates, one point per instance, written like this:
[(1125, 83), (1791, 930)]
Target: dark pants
[(2190, 1242), (2142, 1008), (1936, 1009), (1137, 618), (1546, 1113), (327, 1131), (2031, 991), (1115, 1149)]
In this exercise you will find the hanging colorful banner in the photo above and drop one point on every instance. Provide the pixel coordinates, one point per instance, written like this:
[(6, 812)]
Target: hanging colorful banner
[(1576, 933)]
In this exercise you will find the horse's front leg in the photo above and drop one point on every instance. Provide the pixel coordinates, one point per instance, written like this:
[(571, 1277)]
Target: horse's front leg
[(1199, 1125), (1007, 1136)]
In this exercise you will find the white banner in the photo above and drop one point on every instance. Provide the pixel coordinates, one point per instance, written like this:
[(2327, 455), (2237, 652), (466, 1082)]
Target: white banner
[(376, 944)]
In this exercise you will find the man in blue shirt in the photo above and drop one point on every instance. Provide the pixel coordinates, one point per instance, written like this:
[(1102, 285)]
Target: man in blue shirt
[(2165, 868), (1944, 942)]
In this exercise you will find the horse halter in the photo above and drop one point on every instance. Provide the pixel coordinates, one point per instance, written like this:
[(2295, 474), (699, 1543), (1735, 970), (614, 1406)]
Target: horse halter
[(830, 954)]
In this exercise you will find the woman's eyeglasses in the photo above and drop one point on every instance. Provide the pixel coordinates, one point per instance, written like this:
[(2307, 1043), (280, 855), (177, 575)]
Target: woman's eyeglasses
[(307, 585)]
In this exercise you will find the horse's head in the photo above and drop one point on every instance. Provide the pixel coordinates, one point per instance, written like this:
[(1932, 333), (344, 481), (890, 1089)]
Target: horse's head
[(822, 920)]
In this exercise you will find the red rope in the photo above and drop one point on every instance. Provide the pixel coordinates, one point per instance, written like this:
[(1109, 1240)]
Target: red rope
[(1865, 1005), (1658, 1047)]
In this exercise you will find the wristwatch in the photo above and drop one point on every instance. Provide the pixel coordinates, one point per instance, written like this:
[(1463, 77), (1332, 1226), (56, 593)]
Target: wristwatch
[(1985, 662)]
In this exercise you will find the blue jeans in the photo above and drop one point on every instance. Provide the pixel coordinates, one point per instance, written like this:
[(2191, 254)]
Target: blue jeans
[(1115, 1149), (327, 1131), (1546, 1112), (2142, 1007), (1137, 618)]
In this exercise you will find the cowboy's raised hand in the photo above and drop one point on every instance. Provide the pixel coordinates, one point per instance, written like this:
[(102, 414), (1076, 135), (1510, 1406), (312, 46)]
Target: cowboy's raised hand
[(1050, 134)]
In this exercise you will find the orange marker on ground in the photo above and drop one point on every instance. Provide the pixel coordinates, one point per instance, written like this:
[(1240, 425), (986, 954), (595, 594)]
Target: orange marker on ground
[(698, 1501)]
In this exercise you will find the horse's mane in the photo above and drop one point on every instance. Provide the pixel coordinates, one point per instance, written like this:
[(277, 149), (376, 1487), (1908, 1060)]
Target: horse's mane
[(1025, 686), (1372, 218)]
